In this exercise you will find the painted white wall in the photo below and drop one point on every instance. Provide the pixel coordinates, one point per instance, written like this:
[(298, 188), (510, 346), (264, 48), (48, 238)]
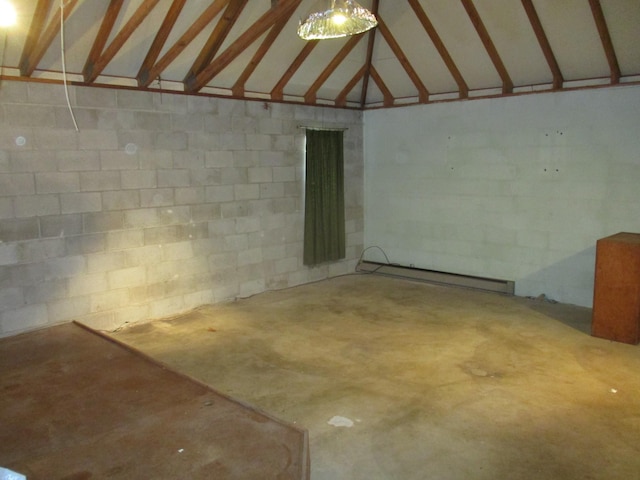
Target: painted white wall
[(514, 188)]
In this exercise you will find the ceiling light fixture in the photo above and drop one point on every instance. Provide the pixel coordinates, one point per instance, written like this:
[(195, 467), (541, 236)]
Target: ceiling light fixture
[(343, 18), (8, 14)]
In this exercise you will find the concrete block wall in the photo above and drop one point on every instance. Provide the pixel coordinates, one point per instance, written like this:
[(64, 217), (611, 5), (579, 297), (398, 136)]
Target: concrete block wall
[(517, 188), (160, 203)]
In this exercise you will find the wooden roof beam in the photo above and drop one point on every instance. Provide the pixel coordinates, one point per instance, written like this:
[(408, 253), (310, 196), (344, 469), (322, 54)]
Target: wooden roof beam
[(93, 70), (440, 47), (148, 75), (277, 92), (423, 93), (238, 87), (341, 99), (158, 42), (33, 35), (108, 21), (507, 84), (605, 37), (284, 7), (310, 96), (534, 20), (386, 93), (217, 37), (369, 61), (39, 44)]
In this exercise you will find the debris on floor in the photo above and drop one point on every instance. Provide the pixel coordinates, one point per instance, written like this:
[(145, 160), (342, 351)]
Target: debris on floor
[(338, 421)]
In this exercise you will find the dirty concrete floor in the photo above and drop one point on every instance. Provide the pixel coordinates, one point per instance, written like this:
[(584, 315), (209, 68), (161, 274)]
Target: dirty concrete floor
[(439, 382)]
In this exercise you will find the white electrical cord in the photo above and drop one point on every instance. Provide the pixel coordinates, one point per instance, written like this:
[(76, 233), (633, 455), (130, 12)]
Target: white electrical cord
[(64, 66)]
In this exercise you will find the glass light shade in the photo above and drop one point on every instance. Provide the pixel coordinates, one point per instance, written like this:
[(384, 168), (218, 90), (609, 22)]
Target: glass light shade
[(343, 18)]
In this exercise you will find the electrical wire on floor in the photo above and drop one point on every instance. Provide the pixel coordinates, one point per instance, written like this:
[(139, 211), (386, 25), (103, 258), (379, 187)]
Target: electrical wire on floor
[(64, 66), (361, 259)]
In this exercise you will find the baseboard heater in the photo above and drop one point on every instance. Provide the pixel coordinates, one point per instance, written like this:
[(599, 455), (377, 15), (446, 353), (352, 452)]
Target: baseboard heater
[(432, 276)]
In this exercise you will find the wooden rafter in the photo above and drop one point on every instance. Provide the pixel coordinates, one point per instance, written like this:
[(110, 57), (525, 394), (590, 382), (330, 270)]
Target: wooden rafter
[(238, 87), (371, 44), (108, 21), (605, 37), (310, 96), (423, 93), (507, 84), (386, 93), (440, 47), (37, 25), (40, 43), (123, 35), (217, 37), (284, 7), (277, 91), (534, 19), (341, 99), (148, 75), (158, 42)]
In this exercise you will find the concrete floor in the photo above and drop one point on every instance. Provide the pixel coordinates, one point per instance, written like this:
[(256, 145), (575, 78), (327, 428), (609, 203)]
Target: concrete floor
[(439, 382)]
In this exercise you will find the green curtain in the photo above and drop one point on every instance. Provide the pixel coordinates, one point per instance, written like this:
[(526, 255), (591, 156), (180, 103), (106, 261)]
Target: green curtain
[(324, 236)]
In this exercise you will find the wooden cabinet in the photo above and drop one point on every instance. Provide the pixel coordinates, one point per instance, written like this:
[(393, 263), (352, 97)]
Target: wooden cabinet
[(616, 298)]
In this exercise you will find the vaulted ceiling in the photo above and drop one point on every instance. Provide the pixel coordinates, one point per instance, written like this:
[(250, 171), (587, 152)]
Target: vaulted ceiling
[(422, 51)]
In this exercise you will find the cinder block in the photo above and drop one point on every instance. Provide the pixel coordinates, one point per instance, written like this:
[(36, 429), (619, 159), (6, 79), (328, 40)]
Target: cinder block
[(178, 251), (204, 212), (105, 262), (65, 267), (77, 161), (167, 307), (139, 179), (270, 126), (233, 141), (189, 195), (12, 184), (219, 194), (205, 176), (102, 222), (157, 197), (246, 192), (256, 141), (95, 97), (60, 225), (68, 309), (54, 139), (284, 174), (131, 314), (99, 181), (117, 160), (36, 205), (80, 202), (147, 255), (8, 254), (250, 257), (127, 278), (154, 121), (6, 207), (32, 161), (161, 235), (219, 159), (171, 141), (85, 244), (260, 175), (173, 178), (152, 159), (189, 122), (57, 182), (121, 200), (22, 115), (286, 265), (41, 249), (271, 190), (97, 140), (133, 100), (11, 298), (111, 300), (24, 318), (125, 239), (81, 285), (14, 230)]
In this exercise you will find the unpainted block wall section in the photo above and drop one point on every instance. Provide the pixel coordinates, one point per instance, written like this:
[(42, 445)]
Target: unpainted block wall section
[(159, 204)]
